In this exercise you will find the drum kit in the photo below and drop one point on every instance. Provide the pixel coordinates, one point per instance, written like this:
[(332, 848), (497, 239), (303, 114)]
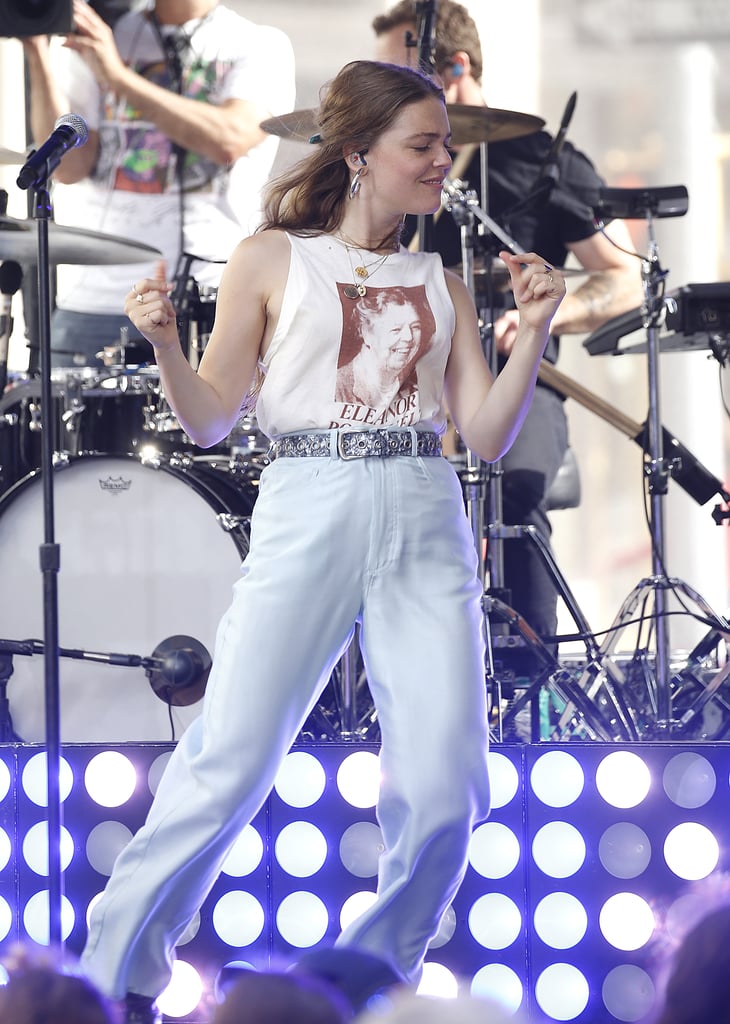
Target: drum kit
[(151, 529)]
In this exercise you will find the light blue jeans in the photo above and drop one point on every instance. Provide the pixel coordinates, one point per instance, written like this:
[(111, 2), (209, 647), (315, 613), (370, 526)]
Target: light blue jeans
[(385, 541)]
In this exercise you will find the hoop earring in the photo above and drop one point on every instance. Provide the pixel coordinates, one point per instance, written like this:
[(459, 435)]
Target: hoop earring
[(355, 183)]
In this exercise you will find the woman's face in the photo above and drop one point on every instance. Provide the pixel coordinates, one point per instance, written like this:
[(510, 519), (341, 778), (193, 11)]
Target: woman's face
[(409, 161), (393, 335)]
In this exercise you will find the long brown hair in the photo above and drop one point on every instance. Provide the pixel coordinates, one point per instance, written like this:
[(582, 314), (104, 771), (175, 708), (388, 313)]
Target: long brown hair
[(360, 103)]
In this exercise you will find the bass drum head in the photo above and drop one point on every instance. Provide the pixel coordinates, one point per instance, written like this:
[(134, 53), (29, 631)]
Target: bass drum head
[(143, 557)]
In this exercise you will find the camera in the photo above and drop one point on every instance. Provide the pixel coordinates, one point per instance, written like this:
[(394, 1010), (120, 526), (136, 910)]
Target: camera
[(35, 17)]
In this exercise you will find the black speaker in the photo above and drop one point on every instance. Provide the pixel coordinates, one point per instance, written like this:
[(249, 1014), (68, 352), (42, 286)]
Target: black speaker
[(35, 17)]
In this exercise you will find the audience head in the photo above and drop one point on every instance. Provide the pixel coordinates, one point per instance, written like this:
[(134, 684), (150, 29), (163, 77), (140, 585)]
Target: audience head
[(410, 1008), (281, 997), (697, 989), (40, 990)]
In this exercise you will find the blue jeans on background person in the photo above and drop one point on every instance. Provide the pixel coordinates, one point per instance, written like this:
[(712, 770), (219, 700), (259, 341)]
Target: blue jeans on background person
[(77, 338)]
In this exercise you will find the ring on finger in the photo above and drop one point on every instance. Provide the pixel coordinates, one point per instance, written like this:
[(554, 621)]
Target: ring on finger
[(140, 298)]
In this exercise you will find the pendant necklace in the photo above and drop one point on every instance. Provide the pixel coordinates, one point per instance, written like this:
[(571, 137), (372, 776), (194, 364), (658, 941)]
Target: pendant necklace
[(361, 272)]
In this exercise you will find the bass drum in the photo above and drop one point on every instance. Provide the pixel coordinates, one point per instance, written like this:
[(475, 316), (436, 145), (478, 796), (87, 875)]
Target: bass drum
[(147, 552)]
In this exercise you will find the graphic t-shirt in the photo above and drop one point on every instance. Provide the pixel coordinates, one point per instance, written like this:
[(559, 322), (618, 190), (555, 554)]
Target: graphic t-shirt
[(134, 190), (340, 358)]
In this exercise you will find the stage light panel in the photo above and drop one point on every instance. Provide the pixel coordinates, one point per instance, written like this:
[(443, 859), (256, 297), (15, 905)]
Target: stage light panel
[(590, 866)]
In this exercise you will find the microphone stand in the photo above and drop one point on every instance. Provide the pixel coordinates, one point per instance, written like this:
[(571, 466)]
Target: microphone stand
[(50, 564)]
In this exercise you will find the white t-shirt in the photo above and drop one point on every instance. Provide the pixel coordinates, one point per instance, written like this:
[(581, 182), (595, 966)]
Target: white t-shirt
[(338, 359), (133, 192)]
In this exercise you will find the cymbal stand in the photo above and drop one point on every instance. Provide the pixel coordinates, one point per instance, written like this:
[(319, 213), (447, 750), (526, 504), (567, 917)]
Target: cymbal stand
[(650, 204), (464, 207)]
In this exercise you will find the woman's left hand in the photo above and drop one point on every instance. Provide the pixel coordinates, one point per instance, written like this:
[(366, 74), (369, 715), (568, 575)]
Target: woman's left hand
[(538, 288)]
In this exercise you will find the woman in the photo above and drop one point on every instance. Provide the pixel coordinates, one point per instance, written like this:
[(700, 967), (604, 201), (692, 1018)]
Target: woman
[(357, 519)]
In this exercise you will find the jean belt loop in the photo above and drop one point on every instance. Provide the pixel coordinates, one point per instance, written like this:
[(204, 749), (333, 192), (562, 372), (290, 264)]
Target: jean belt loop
[(333, 443), (414, 440)]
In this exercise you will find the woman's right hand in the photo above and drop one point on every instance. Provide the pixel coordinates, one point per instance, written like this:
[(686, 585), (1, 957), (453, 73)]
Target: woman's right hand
[(149, 308)]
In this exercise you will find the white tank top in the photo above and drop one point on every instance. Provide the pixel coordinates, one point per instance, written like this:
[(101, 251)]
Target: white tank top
[(375, 360)]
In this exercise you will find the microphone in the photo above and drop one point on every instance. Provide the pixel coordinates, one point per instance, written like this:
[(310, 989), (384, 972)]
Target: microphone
[(550, 170), (426, 15), (11, 277), (69, 131)]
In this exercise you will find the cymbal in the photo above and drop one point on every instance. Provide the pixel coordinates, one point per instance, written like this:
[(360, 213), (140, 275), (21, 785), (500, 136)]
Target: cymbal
[(19, 241), (10, 156), (468, 124), (500, 274), (488, 124)]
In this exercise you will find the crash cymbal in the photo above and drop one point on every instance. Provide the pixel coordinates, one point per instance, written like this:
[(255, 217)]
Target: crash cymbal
[(10, 156), (468, 124), (19, 241), (488, 124)]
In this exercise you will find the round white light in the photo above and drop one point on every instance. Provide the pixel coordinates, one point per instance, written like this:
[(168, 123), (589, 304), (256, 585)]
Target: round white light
[(628, 993), (356, 905), (437, 980), (4, 780), (562, 992), (183, 993), (6, 849), (6, 918), (245, 855), (110, 778), (156, 771), (689, 780), (301, 849), (494, 850), (626, 921), (504, 779), (501, 983), (691, 851), (36, 918), (560, 920), (35, 779), (302, 919), (35, 848), (301, 779), (624, 850), (557, 779), (623, 779), (360, 848), (358, 778), (446, 930), (104, 844), (495, 921), (558, 849), (238, 918)]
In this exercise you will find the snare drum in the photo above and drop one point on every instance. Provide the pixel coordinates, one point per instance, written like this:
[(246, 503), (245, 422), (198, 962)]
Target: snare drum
[(147, 553)]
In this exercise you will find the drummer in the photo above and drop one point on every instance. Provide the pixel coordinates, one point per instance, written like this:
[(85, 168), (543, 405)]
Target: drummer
[(175, 158)]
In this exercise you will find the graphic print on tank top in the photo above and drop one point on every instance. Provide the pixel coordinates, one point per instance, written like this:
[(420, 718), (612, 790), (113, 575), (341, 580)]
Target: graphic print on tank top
[(384, 334)]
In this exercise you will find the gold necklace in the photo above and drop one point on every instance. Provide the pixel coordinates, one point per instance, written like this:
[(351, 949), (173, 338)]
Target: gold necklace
[(363, 271)]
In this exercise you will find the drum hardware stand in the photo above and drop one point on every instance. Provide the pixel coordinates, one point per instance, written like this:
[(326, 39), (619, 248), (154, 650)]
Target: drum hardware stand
[(177, 670), (8, 648), (650, 204), (464, 206)]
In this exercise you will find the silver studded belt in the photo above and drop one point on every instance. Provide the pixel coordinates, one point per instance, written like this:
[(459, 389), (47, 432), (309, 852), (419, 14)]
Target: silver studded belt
[(356, 444)]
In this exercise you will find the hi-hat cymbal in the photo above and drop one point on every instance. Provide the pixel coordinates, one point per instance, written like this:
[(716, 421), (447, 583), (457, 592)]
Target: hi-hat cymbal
[(10, 156), (19, 241), (468, 124), (499, 274)]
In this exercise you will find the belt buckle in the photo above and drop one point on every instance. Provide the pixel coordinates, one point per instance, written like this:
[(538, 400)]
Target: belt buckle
[(347, 456)]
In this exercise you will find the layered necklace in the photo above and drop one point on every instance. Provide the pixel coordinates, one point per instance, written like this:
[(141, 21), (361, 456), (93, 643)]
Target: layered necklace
[(360, 270)]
